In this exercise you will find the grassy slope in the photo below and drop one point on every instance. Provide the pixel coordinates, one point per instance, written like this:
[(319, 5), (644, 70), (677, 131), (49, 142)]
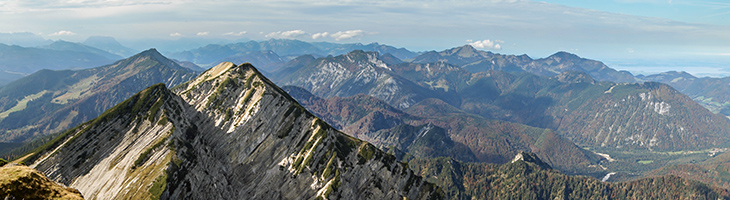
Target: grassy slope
[(23, 182)]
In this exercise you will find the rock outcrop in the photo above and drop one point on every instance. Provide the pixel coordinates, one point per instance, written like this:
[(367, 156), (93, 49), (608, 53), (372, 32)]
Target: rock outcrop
[(21, 182)]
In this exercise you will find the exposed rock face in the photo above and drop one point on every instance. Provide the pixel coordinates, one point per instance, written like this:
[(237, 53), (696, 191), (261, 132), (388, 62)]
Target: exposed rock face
[(228, 134), (711, 93), (357, 72), (648, 115), (531, 158)]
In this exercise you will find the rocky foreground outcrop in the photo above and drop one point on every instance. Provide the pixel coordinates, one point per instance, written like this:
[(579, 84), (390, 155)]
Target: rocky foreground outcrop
[(228, 134), (22, 182)]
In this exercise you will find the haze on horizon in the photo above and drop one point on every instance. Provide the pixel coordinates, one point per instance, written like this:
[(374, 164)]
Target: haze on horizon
[(671, 34)]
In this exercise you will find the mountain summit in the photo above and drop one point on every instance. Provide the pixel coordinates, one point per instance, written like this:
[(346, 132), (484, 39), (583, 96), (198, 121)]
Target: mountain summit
[(49, 101), (230, 133)]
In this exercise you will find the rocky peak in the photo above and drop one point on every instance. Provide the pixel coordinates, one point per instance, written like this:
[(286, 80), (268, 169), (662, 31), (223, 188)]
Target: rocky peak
[(563, 56), (532, 158), (462, 51), (357, 56), (156, 56)]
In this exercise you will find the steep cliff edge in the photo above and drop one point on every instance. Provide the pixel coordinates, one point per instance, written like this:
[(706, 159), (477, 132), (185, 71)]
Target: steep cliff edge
[(230, 133)]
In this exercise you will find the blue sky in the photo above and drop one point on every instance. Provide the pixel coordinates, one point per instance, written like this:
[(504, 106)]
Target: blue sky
[(696, 11), (615, 31)]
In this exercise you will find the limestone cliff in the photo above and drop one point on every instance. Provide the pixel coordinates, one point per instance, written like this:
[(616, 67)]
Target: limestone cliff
[(228, 134)]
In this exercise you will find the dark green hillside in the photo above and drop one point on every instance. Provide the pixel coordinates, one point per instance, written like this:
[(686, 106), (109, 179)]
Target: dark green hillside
[(715, 170), (527, 178)]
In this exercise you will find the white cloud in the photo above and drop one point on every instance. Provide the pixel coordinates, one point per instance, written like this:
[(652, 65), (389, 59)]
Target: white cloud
[(340, 35), (285, 34), (320, 35), (202, 33), (235, 34), (60, 33), (175, 34), (486, 44)]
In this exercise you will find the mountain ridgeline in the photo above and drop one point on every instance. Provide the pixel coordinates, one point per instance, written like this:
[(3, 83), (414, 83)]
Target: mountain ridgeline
[(49, 101), (650, 116), (712, 93), (345, 123), (357, 72), (477, 61), (272, 54), (230, 133)]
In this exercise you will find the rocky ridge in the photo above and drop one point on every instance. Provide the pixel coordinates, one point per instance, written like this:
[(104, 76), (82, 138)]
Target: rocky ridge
[(230, 133)]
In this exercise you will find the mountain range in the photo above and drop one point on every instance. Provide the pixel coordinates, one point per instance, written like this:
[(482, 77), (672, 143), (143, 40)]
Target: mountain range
[(49, 101), (232, 133), (590, 113), (17, 61), (229, 133), (25, 39), (269, 55), (474, 60), (354, 73), (61, 45), (456, 118)]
